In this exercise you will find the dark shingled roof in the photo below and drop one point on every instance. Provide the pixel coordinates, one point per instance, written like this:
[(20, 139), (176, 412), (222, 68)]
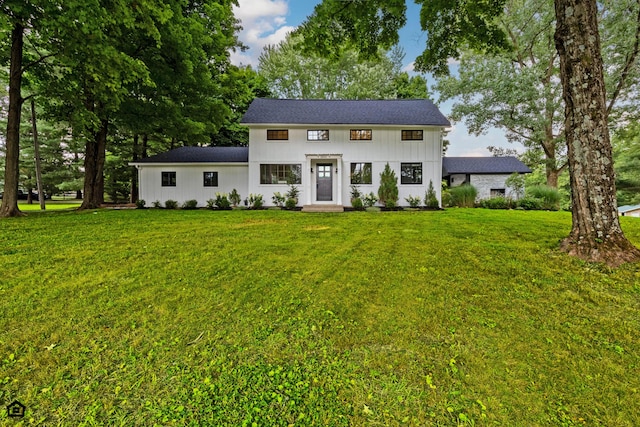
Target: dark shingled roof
[(485, 165), (201, 155), (353, 112)]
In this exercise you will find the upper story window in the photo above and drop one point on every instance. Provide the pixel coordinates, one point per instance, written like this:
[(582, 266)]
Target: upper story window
[(277, 134), (318, 135), (210, 179), (412, 135), (168, 179), (360, 135)]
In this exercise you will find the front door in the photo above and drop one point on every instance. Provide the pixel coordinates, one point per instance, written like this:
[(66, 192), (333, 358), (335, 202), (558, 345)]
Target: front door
[(324, 182)]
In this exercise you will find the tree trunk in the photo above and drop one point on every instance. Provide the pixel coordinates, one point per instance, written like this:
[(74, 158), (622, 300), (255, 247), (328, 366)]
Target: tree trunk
[(38, 160), (134, 176), (9, 206), (596, 234), (95, 152)]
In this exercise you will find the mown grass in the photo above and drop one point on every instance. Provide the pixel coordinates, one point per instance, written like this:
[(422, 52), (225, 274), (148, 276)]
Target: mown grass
[(50, 205), (459, 317)]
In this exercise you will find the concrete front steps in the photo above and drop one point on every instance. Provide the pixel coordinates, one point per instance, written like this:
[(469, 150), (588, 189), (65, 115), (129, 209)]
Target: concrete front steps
[(323, 208)]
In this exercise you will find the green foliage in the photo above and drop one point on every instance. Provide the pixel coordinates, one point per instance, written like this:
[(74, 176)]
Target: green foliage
[(222, 201), (293, 193), (626, 155), (369, 199), (463, 196), (357, 204), (190, 204), (291, 203), (156, 204), (171, 204), (549, 197), (234, 198), (388, 190), (140, 204), (255, 201), (529, 203), (497, 203), (323, 330), (430, 197), (278, 199), (516, 182), (354, 192), (414, 202), (445, 194)]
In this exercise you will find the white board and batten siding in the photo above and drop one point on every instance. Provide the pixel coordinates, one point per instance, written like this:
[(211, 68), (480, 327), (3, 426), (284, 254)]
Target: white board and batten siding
[(386, 146), (190, 181)]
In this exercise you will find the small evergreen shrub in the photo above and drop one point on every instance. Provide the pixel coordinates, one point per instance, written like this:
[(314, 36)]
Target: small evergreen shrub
[(222, 201), (234, 198), (388, 190), (357, 204), (157, 204), (463, 196), (293, 193), (255, 201), (171, 204), (291, 203), (190, 204), (430, 197), (140, 204), (414, 202), (211, 203)]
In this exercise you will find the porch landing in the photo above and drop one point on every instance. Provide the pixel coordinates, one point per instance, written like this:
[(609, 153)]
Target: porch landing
[(323, 208)]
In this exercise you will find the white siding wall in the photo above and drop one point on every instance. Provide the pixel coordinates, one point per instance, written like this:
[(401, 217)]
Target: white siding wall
[(189, 182), (386, 146)]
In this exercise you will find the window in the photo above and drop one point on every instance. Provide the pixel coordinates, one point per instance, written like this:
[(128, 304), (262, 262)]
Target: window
[(498, 192), (361, 173), (318, 135), (210, 179), (361, 134), (277, 134), (280, 174), (168, 179), (412, 135), (411, 173)]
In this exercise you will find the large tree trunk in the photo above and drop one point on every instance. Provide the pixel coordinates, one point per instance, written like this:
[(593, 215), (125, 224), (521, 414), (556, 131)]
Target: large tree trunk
[(9, 206), (596, 234), (95, 152)]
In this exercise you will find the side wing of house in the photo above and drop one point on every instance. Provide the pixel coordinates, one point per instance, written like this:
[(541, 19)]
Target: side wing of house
[(192, 173), (335, 145)]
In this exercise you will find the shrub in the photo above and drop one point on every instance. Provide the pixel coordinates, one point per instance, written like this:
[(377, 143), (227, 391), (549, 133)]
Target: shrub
[(291, 203), (255, 201), (369, 200), (157, 204), (516, 183), (497, 203), (293, 193), (234, 198), (414, 202), (211, 203), (445, 194), (222, 201), (355, 192), (463, 196), (278, 199), (388, 190), (171, 204), (190, 204), (140, 204), (357, 204), (530, 203), (430, 198), (549, 196)]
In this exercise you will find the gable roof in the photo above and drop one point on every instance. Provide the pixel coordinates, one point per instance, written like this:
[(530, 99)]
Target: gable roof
[(628, 208), (363, 112), (483, 165), (201, 155)]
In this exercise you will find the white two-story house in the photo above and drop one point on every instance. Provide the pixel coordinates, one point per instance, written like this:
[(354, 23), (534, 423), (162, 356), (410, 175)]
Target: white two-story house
[(321, 146)]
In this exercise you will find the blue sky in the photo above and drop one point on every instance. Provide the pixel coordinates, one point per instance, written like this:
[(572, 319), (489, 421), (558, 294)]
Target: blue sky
[(268, 22)]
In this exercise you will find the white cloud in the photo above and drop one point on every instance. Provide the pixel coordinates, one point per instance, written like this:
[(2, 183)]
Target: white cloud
[(263, 23)]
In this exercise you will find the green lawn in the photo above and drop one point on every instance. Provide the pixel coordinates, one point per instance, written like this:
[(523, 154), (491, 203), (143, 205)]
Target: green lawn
[(459, 317), (50, 205)]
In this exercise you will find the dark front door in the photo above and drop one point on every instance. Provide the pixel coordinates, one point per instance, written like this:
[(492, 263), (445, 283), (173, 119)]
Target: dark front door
[(324, 182)]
